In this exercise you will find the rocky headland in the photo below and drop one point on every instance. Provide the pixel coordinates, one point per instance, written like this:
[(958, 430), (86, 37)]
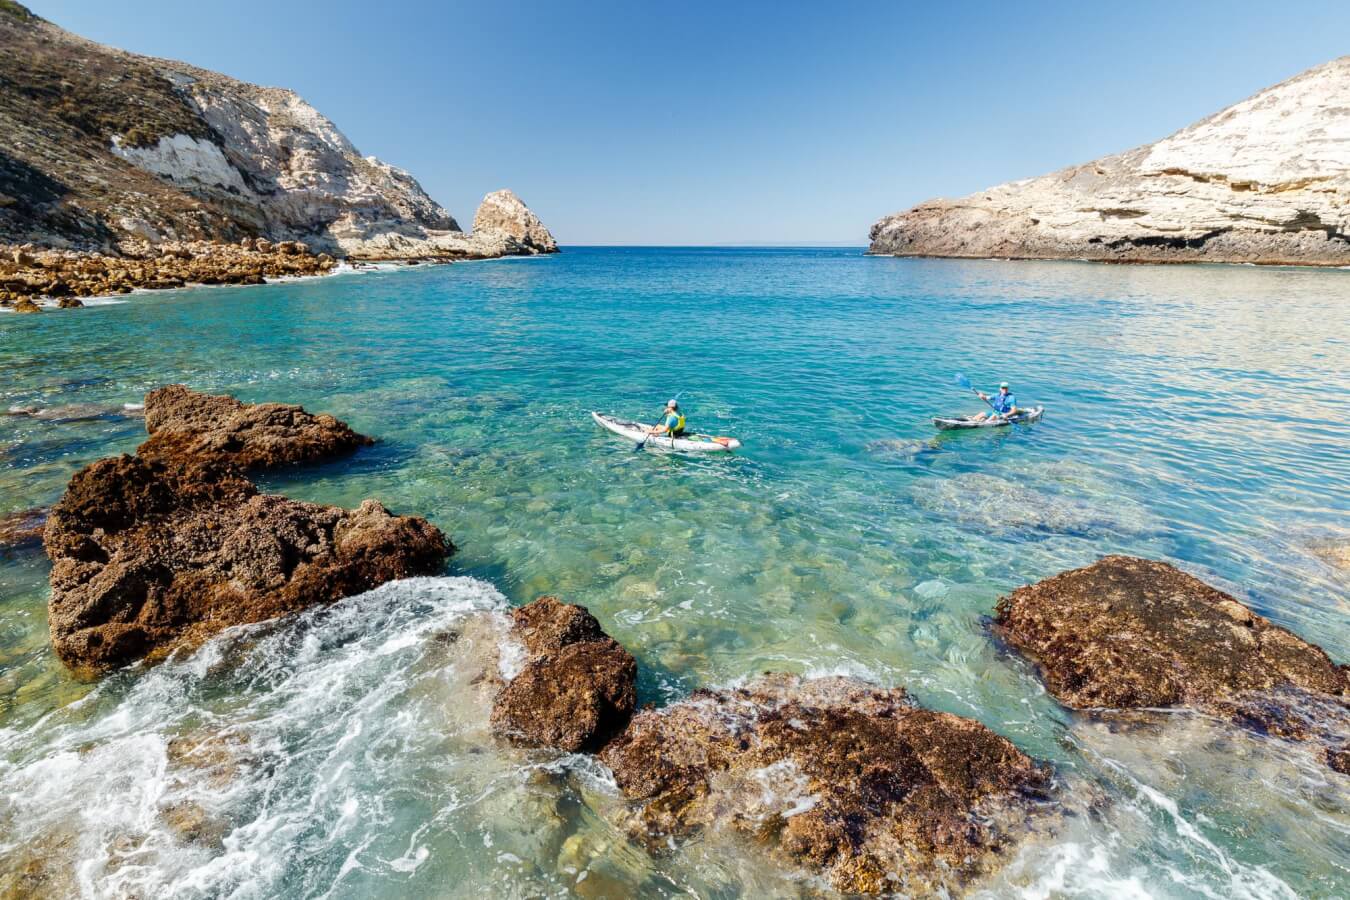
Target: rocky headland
[(120, 171), (166, 547), (1127, 633), (1265, 181)]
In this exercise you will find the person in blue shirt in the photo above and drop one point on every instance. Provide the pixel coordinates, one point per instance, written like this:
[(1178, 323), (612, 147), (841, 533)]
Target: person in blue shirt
[(1004, 404), (672, 421)]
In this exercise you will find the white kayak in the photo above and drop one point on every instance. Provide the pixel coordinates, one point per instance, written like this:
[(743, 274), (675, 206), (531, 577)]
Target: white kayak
[(636, 431), (1030, 415)]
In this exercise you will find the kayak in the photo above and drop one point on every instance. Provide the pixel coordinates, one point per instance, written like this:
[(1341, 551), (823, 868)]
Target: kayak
[(946, 424), (636, 431)]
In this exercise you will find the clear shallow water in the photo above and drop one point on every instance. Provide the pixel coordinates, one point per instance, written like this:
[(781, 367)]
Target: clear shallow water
[(346, 751)]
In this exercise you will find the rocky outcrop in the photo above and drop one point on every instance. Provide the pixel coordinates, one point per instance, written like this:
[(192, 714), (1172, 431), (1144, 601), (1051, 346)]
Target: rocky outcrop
[(503, 214), (1265, 181), (833, 775), (187, 424), (1128, 633), (101, 149), (578, 686), (171, 545), (66, 275)]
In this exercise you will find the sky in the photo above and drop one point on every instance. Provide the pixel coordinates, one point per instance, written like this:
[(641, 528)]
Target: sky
[(722, 123)]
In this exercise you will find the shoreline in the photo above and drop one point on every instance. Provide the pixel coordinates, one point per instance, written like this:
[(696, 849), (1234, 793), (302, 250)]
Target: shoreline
[(20, 294), (1319, 266)]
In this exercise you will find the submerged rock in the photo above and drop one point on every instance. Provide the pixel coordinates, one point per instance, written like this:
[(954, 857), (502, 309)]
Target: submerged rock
[(186, 423), (148, 554), (1128, 633), (577, 687), (22, 529), (836, 775)]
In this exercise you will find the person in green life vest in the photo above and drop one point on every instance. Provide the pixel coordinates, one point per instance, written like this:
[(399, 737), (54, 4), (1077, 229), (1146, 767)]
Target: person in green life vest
[(672, 421), (1004, 404)]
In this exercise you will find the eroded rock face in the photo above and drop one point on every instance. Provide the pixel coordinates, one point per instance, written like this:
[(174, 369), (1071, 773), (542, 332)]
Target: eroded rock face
[(503, 213), (1127, 633), (578, 686), (186, 423), (1265, 181), (835, 775), (148, 554)]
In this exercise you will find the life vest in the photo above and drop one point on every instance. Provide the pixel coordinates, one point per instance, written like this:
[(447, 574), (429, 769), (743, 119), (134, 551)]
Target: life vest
[(679, 424)]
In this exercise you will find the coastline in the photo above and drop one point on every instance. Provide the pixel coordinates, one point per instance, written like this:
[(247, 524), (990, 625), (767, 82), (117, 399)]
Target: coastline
[(1269, 264), (36, 271)]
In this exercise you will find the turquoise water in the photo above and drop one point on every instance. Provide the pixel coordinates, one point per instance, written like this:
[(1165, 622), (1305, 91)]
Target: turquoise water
[(1195, 414)]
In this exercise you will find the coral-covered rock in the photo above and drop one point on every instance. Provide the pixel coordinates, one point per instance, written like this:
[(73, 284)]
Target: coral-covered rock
[(578, 687), (187, 424), (834, 774), (148, 554), (1127, 633)]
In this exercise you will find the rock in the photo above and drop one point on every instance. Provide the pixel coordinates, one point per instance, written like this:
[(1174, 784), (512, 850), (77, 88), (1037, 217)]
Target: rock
[(148, 555), (70, 303), (1334, 553), (578, 686), (26, 305), (186, 423), (22, 529), (503, 213), (836, 775), (1265, 181), (21, 257), (263, 245), (1127, 633)]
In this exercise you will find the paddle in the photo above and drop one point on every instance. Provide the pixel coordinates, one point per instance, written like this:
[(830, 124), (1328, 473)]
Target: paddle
[(965, 383), (642, 443)]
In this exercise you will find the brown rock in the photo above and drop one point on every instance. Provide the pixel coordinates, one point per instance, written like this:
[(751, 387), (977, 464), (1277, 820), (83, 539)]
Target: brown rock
[(1128, 632), (850, 779), (262, 245), (26, 305), (186, 423), (577, 689), (148, 555), (70, 303)]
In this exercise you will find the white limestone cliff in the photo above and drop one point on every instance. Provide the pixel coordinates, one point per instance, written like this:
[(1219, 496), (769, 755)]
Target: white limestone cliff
[(1265, 181)]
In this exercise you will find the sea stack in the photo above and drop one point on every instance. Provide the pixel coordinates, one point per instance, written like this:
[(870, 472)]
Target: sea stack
[(1265, 181)]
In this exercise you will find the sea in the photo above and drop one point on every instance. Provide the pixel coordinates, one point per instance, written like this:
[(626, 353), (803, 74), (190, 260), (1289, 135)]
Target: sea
[(1196, 414)]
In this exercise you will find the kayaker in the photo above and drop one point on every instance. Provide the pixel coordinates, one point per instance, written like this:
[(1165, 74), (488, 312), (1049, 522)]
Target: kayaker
[(672, 421), (1004, 404)]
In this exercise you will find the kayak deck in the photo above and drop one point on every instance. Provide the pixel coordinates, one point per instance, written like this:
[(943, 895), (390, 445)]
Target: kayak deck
[(944, 423), (637, 431)]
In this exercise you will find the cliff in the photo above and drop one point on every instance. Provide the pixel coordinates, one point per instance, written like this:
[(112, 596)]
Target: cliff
[(101, 149), (1264, 181)]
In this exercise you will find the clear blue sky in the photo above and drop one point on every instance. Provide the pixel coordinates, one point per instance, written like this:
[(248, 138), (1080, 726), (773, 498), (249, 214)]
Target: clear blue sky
[(718, 122)]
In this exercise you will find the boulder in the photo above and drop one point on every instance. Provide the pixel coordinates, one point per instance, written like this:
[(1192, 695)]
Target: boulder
[(70, 303), (1127, 633), (149, 554), (26, 305), (836, 775), (184, 423), (577, 687)]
